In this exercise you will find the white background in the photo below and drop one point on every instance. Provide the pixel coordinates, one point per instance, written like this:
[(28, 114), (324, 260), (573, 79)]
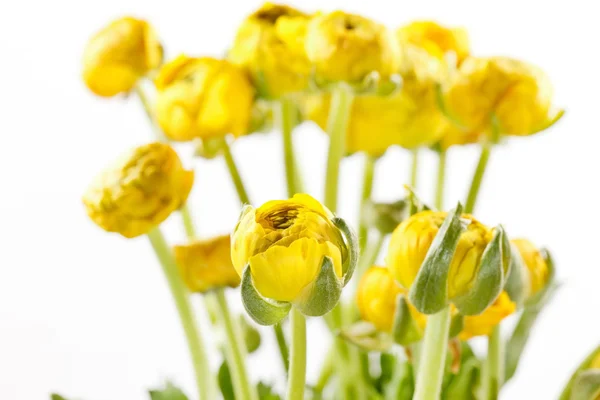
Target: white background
[(88, 314)]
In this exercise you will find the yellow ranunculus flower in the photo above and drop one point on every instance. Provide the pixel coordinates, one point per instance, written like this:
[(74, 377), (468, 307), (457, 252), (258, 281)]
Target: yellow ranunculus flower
[(284, 242), (348, 47), (534, 262), (139, 191), (425, 47), (413, 237), (483, 324), (270, 45), (376, 299), (455, 136), (120, 54), (206, 264), (518, 94), (203, 98), (409, 118)]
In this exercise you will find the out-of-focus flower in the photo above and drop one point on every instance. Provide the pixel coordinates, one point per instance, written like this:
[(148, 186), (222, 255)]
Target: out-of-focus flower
[(284, 243), (119, 55), (427, 48), (270, 45), (348, 47), (411, 240), (483, 324), (206, 264), (535, 263), (139, 190), (451, 135), (516, 94), (203, 98)]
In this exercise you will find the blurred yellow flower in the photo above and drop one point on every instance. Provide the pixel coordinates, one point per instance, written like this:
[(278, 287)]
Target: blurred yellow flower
[(595, 363), (270, 45), (348, 47), (206, 264), (484, 323), (451, 135), (203, 98), (426, 49), (139, 190), (535, 263), (284, 242), (517, 94), (413, 237), (408, 118), (376, 298), (120, 54)]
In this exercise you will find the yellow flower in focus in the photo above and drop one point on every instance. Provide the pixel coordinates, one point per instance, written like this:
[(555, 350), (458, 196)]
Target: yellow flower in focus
[(120, 54), (270, 45), (348, 47), (284, 243), (203, 98), (535, 263), (426, 47), (518, 94), (409, 118), (139, 191), (376, 299), (206, 264), (483, 324), (411, 240)]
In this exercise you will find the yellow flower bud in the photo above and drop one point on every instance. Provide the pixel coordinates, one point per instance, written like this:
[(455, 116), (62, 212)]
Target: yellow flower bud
[(595, 363), (120, 54), (484, 323), (426, 47), (534, 262), (139, 191), (518, 94), (270, 45), (409, 118), (203, 97), (348, 47), (376, 299), (413, 237), (206, 264), (284, 243)]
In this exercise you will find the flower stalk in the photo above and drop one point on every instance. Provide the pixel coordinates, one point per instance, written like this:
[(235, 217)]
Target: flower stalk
[(495, 364), (234, 172), (286, 115), (441, 180), (367, 189), (143, 96), (486, 149), (297, 372)]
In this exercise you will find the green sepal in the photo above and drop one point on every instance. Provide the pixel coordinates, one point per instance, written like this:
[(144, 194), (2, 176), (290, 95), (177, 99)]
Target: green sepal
[(323, 294), (170, 392), (385, 217), (251, 335), (366, 336), (55, 396), (489, 278), (415, 203), (225, 382), (208, 148), (550, 122), (585, 364), (405, 329), (550, 281), (352, 246), (263, 311), (429, 291), (518, 283), (586, 386), (372, 84), (266, 392), (457, 324)]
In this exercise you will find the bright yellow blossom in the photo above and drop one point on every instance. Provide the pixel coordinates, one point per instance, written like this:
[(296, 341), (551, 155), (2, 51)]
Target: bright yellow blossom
[(203, 98), (206, 264), (484, 323), (517, 94), (348, 47), (535, 263), (270, 45), (455, 136), (413, 237), (120, 54), (139, 191), (284, 243)]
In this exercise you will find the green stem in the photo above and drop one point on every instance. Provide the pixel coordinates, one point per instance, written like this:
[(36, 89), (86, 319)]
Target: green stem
[(234, 173), (495, 364), (484, 157), (441, 180), (188, 221), (433, 356), (282, 344), (367, 189), (370, 254), (141, 94), (327, 371), (297, 374), (286, 115), (414, 178), (190, 328), (236, 351), (337, 125)]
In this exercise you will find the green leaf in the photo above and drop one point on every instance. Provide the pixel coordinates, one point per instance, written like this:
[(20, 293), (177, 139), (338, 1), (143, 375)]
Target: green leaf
[(265, 392), (586, 386), (429, 291), (170, 392), (401, 387), (263, 311), (405, 329), (251, 335), (352, 244), (323, 294), (225, 382)]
